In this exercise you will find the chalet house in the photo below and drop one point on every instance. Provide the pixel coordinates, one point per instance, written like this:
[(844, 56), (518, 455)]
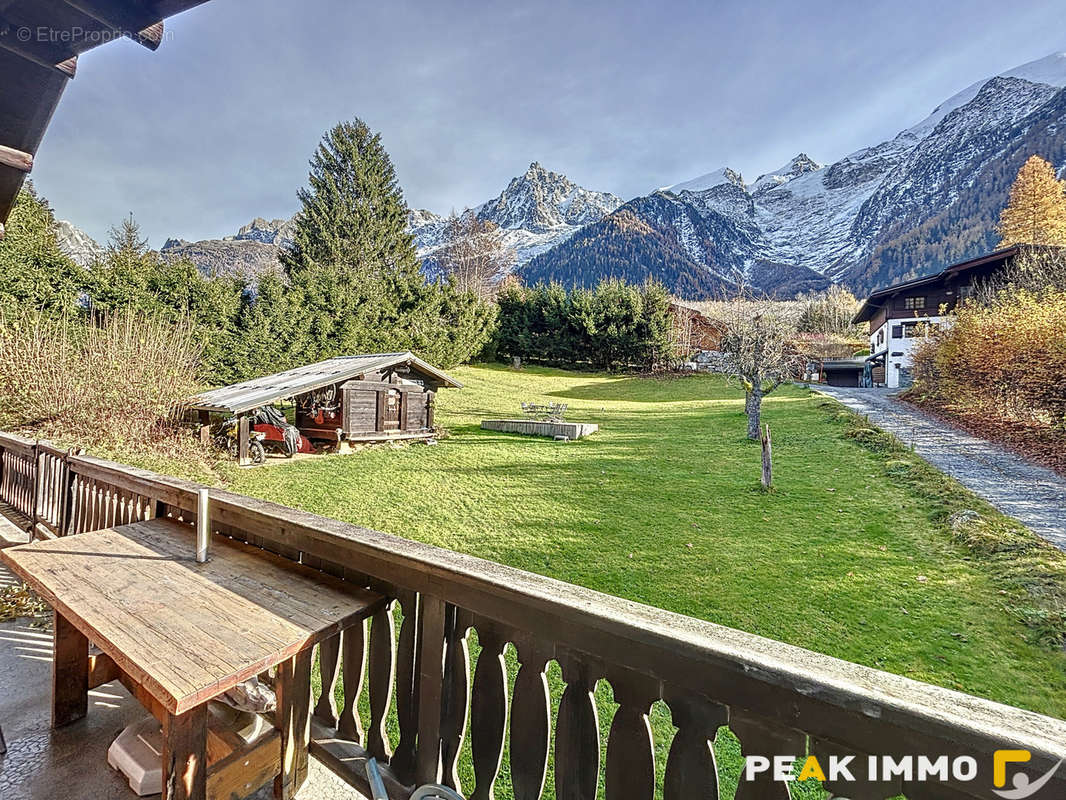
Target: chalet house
[(901, 315), (695, 332)]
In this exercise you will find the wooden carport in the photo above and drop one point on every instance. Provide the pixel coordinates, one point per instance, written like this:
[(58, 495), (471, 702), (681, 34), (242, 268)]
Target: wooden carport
[(40, 41)]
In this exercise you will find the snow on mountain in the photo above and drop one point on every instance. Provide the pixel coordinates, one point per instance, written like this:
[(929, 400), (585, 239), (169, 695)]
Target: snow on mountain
[(537, 211), (76, 244), (1050, 70), (709, 181), (800, 165), (903, 207)]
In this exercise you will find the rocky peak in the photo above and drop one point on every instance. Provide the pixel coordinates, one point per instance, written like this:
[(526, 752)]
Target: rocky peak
[(719, 177), (540, 200), (800, 165), (76, 244), (278, 232)]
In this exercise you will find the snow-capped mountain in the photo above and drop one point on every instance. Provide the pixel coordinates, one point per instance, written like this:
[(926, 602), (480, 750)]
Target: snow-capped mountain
[(536, 212), (76, 244), (250, 253), (903, 207)]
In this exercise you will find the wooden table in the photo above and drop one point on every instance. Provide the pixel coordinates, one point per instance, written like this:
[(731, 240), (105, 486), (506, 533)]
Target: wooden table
[(178, 634)]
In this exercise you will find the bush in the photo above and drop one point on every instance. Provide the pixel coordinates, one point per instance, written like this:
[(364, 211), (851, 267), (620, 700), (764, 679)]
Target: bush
[(1005, 357), (113, 386), (614, 326)]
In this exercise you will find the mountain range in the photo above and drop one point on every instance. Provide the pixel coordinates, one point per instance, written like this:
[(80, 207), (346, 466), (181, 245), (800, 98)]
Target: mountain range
[(901, 208)]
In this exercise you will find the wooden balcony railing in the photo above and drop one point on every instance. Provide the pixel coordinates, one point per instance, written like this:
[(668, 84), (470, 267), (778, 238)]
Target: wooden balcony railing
[(415, 692)]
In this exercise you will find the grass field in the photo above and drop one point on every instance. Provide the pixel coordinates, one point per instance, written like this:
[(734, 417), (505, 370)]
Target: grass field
[(663, 506)]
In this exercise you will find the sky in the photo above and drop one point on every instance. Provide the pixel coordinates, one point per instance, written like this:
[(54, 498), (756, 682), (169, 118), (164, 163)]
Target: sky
[(216, 127)]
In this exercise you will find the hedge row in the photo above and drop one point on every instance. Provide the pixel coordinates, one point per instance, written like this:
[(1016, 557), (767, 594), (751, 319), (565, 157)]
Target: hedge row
[(613, 326)]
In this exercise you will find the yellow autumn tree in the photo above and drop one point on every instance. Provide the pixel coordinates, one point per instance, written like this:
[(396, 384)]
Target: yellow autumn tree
[(1036, 211)]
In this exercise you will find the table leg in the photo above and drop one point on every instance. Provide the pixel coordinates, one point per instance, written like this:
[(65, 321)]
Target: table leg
[(70, 673), (293, 719), (185, 755)]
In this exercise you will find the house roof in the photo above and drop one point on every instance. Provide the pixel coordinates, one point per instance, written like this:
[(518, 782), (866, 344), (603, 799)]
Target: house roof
[(876, 298), (247, 395), (40, 41)]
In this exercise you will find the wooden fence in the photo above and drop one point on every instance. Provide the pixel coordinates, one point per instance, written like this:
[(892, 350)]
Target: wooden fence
[(427, 692)]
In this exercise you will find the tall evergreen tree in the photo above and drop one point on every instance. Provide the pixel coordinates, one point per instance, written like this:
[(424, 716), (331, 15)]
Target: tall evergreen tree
[(34, 272), (353, 211), (1036, 212), (356, 280), (353, 266)]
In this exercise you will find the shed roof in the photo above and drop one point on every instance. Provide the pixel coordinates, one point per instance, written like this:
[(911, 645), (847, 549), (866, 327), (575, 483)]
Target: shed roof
[(40, 41), (245, 396)]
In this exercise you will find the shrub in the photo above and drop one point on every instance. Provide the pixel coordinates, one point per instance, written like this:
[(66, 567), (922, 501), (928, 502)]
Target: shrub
[(830, 313), (114, 385), (1005, 357)]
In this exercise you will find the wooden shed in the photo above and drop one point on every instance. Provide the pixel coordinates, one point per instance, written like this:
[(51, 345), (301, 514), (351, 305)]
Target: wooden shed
[(361, 398)]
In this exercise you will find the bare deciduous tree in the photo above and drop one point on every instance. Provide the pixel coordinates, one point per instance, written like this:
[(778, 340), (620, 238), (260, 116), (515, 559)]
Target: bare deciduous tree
[(474, 254), (760, 350)]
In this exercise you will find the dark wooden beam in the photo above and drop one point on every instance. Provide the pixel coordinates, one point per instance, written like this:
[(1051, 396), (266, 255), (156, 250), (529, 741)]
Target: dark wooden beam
[(133, 18), (24, 42)]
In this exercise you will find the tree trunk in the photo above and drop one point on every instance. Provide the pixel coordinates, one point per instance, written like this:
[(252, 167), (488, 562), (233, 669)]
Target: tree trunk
[(753, 408)]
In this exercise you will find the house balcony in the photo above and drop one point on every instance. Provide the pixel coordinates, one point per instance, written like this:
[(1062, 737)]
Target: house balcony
[(503, 683)]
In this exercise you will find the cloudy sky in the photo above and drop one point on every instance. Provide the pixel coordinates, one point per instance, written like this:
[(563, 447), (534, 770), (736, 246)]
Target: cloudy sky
[(216, 127)]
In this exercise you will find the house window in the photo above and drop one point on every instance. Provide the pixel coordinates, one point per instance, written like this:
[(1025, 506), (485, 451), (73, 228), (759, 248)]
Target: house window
[(913, 330), (912, 303)]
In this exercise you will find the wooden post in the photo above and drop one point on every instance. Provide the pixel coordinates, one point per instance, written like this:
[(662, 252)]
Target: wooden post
[(293, 719), (379, 424), (242, 442), (430, 667), (67, 499), (70, 673), (185, 755), (767, 460), (35, 496)]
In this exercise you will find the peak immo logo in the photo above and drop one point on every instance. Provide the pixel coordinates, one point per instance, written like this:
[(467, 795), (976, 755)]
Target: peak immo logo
[(920, 769), (1023, 785)]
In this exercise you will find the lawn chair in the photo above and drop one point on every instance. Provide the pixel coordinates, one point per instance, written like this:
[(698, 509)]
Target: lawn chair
[(557, 411)]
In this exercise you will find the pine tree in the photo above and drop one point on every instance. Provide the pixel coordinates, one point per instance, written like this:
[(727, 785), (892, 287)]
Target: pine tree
[(33, 270), (353, 212), (1036, 212), (353, 267), (356, 280)]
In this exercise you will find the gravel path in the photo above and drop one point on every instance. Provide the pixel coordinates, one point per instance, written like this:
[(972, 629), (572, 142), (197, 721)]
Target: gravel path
[(1033, 495)]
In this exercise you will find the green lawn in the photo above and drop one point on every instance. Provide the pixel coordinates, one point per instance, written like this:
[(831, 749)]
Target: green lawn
[(663, 506)]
